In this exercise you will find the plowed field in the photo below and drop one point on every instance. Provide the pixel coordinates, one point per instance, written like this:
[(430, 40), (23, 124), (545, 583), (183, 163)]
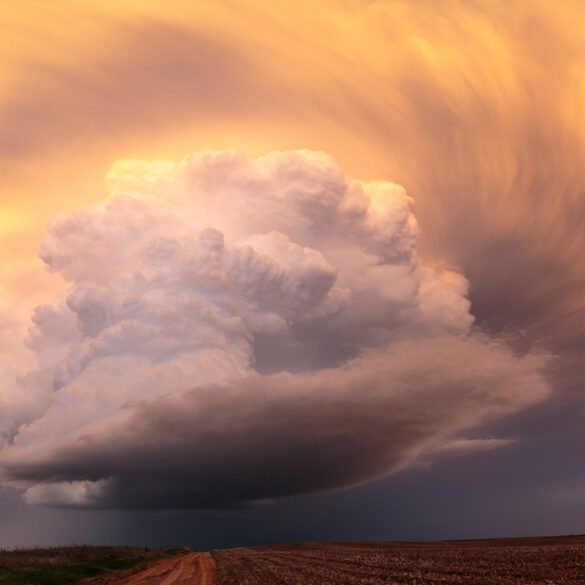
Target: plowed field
[(550, 561)]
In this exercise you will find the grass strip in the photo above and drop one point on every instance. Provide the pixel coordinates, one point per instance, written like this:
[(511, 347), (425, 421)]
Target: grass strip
[(72, 573)]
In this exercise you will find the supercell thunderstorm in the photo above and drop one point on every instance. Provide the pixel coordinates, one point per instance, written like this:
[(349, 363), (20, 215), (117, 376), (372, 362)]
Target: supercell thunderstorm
[(243, 329)]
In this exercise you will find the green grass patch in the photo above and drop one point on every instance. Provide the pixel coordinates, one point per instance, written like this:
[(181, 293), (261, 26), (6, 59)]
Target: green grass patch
[(70, 573)]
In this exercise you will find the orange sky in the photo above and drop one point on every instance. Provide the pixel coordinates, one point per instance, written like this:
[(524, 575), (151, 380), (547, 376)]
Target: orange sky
[(474, 108)]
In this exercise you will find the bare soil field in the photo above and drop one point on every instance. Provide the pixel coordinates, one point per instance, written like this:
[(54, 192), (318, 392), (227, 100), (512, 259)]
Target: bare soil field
[(529, 561)]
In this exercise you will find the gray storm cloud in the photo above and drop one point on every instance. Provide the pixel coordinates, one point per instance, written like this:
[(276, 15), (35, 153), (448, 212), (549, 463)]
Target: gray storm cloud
[(240, 330)]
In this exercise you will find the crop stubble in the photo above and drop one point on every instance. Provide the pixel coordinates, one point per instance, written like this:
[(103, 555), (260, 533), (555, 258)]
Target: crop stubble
[(545, 561)]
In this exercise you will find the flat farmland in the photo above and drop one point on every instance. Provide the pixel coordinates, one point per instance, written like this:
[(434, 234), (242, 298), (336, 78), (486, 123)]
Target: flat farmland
[(527, 561)]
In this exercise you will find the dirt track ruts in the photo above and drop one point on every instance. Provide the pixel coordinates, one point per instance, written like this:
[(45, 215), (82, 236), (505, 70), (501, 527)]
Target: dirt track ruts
[(191, 569)]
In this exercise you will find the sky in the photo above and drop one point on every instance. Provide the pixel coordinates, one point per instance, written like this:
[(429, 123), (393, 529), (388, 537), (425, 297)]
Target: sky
[(275, 273)]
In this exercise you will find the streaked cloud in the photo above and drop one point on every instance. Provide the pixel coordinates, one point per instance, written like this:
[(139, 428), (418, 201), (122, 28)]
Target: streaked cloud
[(474, 107)]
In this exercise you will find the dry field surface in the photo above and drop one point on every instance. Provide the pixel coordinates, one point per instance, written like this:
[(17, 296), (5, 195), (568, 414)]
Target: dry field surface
[(550, 561)]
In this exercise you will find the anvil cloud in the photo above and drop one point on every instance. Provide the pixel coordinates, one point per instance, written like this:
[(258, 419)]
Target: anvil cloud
[(244, 329)]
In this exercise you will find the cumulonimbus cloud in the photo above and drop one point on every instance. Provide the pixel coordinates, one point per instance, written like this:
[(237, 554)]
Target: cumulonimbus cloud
[(240, 330)]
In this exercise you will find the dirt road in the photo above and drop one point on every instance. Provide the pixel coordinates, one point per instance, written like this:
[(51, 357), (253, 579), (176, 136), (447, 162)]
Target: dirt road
[(189, 569)]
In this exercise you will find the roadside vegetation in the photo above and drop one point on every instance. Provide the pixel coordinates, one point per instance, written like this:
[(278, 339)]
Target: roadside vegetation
[(72, 564)]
